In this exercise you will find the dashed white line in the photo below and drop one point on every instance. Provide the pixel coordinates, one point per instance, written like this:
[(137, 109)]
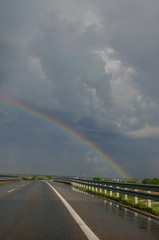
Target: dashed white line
[(11, 190), (87, 231)]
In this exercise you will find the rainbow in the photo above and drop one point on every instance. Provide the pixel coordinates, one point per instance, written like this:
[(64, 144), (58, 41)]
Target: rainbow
[(36, 113)]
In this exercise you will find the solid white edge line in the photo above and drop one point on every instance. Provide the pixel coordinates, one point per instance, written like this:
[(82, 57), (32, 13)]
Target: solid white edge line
[(87, 231), (11, 190)]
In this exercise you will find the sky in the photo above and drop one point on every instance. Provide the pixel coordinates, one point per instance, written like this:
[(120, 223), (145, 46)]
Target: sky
[(92, 66)]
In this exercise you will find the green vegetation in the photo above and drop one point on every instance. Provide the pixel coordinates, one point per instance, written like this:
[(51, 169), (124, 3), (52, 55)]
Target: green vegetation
[(33, 178), (49, 177), (40, 178), (151, 181), (97, 179), (28, 178)]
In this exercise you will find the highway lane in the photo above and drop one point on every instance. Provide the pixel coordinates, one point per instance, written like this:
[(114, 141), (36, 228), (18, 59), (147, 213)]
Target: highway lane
[(8, 188), (34, 211)]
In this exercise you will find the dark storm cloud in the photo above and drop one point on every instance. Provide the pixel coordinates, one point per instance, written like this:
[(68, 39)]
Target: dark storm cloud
[(133, 33), (91, 65)]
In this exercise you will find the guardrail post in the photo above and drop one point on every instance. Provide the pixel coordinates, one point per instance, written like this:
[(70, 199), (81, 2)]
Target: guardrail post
[(136, 198), (105, 191), (117, 194), (149, 200), (126, 196), (110, 192)]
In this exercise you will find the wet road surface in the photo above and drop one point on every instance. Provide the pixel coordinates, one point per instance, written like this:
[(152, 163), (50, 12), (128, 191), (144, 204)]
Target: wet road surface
[(32, 210)]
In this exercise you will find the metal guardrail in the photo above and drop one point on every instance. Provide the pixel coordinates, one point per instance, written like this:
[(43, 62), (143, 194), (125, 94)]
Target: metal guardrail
[(5, 178), (150, 196), (146, 187), (118, 187)]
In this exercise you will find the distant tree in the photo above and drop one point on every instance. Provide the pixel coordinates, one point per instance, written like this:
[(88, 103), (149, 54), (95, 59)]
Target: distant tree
[(33, 178), (49, 177), (28, 178), (146, 181), (154, 181), (97, 179), (24, 178), (40, 178)]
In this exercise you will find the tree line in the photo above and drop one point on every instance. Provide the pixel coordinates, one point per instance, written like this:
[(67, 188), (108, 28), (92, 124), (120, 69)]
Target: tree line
[(151, 181)]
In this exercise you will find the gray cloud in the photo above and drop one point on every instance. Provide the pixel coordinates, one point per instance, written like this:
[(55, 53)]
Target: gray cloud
[(91, 65)]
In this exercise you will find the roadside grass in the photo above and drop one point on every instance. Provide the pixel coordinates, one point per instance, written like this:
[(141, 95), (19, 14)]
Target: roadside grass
[(141, 205)]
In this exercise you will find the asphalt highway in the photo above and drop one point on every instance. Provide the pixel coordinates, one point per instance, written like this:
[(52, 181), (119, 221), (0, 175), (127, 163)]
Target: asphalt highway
[(36, 210)]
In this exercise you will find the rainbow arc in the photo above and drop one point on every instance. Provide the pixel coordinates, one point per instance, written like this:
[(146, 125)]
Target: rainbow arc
[(44, 117)]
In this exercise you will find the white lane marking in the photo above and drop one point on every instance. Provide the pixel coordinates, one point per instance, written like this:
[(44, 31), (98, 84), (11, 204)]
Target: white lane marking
[(87, 231), (11, 190)]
